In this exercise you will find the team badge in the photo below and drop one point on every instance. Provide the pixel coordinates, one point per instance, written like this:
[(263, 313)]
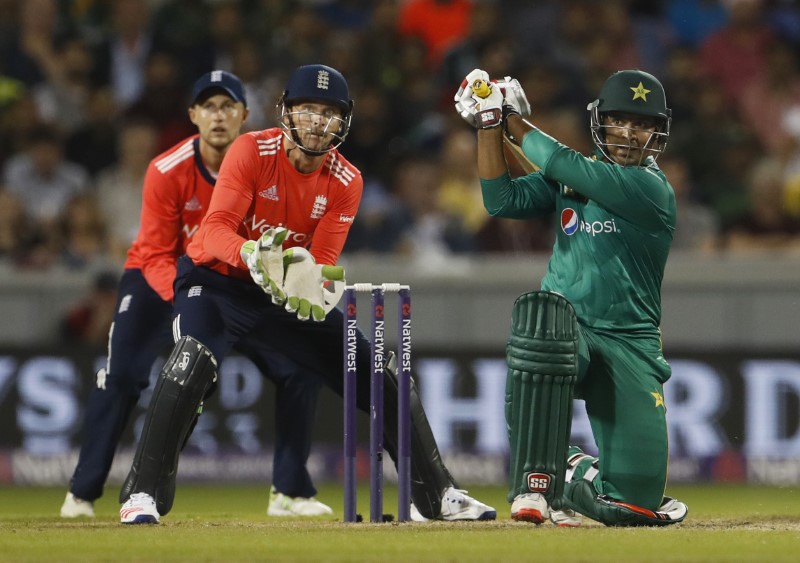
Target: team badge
[(640, 92), (569, 221)]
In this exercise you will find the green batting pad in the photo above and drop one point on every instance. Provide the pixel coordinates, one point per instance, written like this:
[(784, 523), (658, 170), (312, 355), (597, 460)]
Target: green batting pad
[(542, 357)]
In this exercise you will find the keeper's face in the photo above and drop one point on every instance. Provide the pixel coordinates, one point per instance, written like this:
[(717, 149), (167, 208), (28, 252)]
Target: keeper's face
[(316, 124), (629, 137), (219, 119)]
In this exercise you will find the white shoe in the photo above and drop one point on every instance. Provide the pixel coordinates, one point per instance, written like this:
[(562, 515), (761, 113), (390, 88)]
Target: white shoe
[(674, 510), (457, 505), (283, 505), (565, 518), (140, 508), (74, 506), (415, 515), (530, 507)]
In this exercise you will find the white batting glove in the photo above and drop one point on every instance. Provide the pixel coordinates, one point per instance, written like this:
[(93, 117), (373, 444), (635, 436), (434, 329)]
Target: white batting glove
[(515, 99), (466, 104), (264, 259), (304, 284)]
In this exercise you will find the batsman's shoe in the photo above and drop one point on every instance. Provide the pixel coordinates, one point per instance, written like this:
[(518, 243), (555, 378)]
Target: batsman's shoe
[(458, 505), (140, 508), (74, 507), (674, 510), (530, 507), (565, 518), (283, 505)]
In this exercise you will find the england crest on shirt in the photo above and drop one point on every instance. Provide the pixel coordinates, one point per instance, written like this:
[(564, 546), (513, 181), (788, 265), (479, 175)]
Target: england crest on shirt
[(318, 210)]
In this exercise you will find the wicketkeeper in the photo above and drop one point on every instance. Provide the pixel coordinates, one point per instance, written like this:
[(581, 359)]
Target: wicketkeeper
[(592, 332)]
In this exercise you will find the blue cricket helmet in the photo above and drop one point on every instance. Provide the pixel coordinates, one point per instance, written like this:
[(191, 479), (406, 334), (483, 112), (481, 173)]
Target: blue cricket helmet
[(321, 84), (318, 82)]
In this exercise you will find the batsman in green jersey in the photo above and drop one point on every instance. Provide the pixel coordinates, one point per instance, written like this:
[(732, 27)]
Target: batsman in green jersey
[(592, 332)]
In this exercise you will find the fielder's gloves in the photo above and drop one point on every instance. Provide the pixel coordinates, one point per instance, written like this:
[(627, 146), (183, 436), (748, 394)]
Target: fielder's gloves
[(264, 259), (305, 283)]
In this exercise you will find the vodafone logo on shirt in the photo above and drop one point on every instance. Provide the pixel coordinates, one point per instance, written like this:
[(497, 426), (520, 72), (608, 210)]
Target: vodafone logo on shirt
[(261, 226)]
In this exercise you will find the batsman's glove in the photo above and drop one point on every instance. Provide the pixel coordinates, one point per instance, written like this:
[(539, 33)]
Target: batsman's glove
[(478, 101), (514, 99), (305, 285), (264, 259)]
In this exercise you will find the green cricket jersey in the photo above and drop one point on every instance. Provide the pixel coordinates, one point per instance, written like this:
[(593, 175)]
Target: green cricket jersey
[(615, 234)]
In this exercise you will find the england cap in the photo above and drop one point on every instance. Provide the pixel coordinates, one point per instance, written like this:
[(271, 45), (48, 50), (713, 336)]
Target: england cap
[(222, 80)]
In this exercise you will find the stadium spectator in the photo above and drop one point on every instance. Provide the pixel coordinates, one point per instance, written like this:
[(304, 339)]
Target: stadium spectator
[(42, 179), (736, 53), (698, 228), (87, 322), (163, 100), (135, 45), (63, 97), (439, 24), (119, 187), (692, 21), (767, 99), (460, 190), (122, 55), (80, 238), (430, 234), (767, 226), (15, 232), (94, 144), (30, 47)]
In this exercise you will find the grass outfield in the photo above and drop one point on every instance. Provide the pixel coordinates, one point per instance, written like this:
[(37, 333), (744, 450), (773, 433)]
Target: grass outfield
[(210, 523)]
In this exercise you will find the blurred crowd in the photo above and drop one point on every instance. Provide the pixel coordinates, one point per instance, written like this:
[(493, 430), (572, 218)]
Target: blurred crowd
[(91, 90)]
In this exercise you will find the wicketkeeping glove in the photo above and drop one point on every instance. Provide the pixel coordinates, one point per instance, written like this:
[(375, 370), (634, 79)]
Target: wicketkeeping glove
[(264, 259), (304, 284)]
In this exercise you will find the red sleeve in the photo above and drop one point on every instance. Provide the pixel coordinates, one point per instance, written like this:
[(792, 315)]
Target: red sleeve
[(233, 196), (159, 232), (331, 233)]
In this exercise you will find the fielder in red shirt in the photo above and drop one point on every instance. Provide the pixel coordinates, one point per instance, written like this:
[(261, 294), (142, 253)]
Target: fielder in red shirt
[(282, 207), (176, 195)]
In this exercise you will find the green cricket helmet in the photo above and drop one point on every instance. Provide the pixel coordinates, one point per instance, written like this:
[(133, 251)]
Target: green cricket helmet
[(633, 92)]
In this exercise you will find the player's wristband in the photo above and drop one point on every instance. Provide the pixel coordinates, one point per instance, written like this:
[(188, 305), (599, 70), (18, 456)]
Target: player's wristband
[(489, 118)]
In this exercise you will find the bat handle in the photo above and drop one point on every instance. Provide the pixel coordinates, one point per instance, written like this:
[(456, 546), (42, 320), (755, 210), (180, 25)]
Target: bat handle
[(481, 88)]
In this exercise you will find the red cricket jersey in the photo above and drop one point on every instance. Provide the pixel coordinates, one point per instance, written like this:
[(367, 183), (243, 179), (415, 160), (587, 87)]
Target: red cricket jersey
[(258, 188), (176, 194)]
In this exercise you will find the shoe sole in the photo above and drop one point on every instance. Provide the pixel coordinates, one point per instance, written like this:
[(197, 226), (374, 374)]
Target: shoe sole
[(143, 519), (488, 515), (530, 515)]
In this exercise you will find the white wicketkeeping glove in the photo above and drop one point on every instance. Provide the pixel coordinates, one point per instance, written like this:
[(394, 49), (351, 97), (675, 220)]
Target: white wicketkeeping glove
[(305, 282), (264, 259)]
